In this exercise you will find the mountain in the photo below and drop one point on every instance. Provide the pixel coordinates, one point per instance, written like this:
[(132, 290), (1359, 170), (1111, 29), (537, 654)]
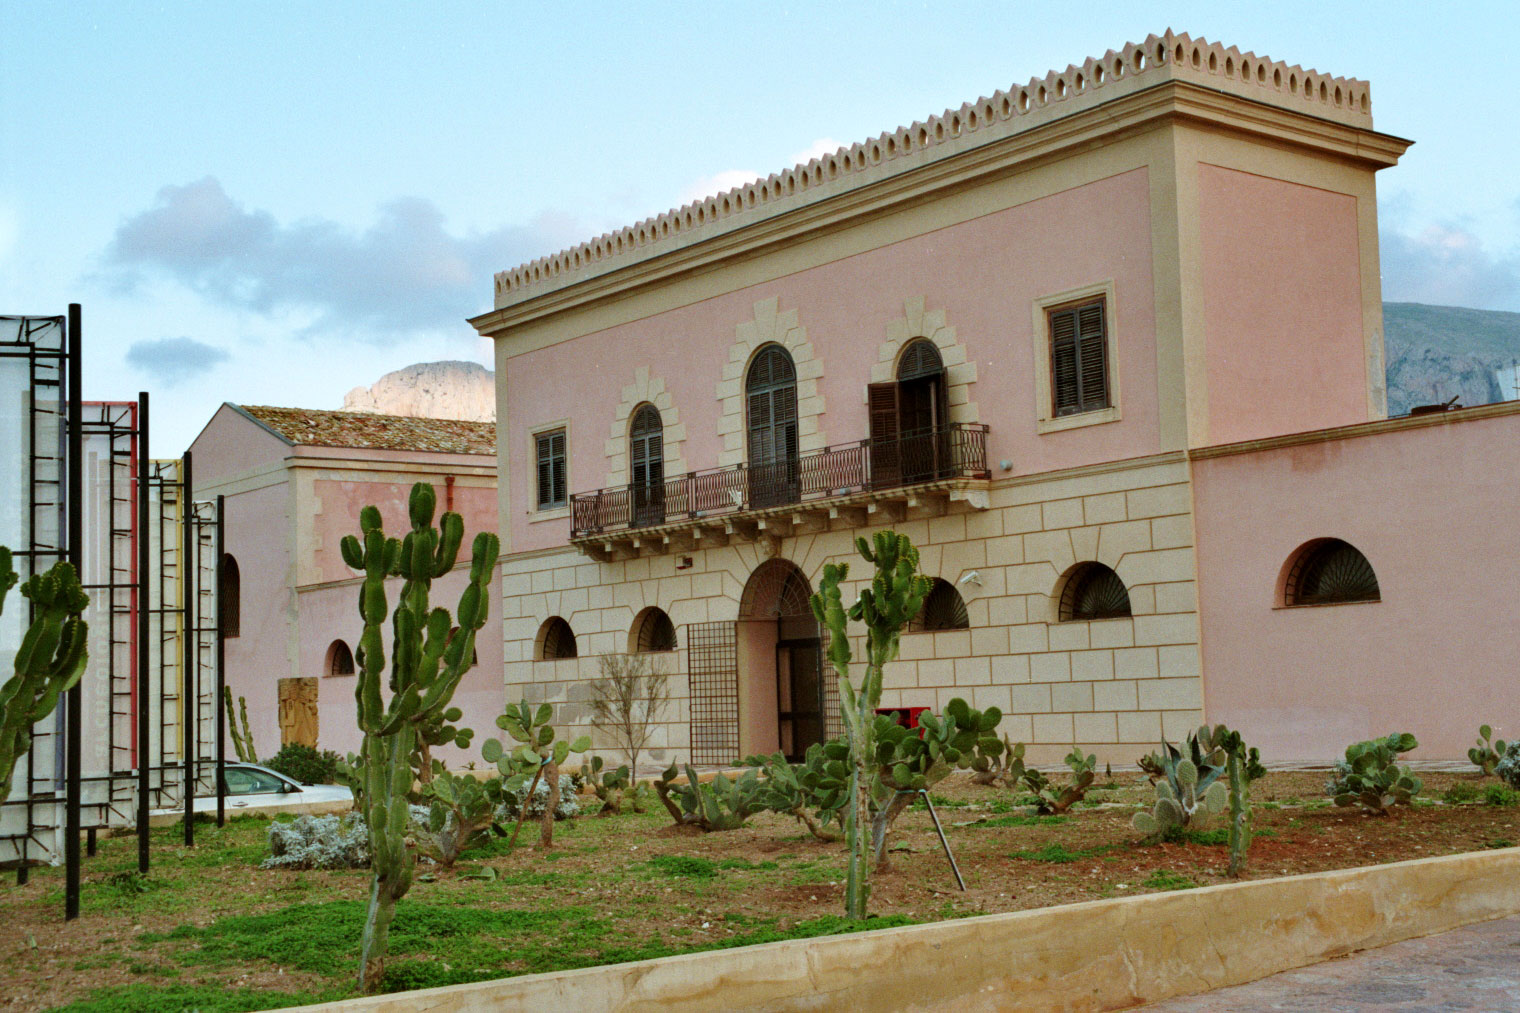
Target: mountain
[(1435, 353), (440, 390)]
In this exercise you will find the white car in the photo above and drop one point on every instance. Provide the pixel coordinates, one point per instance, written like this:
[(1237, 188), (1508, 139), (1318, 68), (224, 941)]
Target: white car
[(252, 787)]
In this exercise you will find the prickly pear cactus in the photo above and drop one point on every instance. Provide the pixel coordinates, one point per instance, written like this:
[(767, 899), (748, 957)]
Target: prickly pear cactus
[(716, 805), (537, 757), (428, 658), (609, 786), (1372, 777), (1487, 754), (895, 595), (1051, 798), (815, 792), (49, 660)]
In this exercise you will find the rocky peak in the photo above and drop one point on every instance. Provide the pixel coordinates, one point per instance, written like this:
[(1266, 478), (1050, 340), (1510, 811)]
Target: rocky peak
[(440, 390)]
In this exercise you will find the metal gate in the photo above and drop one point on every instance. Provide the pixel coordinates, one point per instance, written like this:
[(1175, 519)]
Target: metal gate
[(712, 658)]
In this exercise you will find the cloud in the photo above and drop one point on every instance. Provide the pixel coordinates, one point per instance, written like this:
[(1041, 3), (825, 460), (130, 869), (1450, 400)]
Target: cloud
[(174, 360), (1448, 266), (405, 273), (717, 183), (819, 148)]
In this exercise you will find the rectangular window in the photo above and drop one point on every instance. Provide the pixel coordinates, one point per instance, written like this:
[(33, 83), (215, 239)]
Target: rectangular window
[(1078, 358), (551, 469)]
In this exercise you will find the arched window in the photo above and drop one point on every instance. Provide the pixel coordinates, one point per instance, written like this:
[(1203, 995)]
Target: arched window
[(340, 660), (230, 597), (1329, 571), (652, 631), (907, 419), (770, 392), (646, 455), (555, 640), (921, 387), (1093, 591), (944, 609)]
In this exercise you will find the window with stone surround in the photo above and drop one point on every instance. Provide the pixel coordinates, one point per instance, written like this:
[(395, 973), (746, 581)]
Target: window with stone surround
[(1076, 362), (1093, 591), (652, 631), (1328, 571), (943, 609), (555, 640)]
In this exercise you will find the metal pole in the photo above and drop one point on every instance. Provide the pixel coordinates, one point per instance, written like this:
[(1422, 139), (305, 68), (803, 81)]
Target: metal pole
[(221, 672), (144, 631), (73, 708), (942, 842), (189, 639)]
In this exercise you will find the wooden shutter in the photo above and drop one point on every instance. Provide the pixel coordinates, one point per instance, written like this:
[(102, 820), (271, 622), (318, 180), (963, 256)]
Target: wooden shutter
[(882, 408), (551, 468), (1092, 351)]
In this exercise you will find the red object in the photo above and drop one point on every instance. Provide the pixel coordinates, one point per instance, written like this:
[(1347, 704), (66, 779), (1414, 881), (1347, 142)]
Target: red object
[(906, 716)]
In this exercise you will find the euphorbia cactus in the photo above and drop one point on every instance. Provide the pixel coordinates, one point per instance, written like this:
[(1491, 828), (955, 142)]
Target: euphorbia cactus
[(894, 597), (1242, 766), (427, 663), (49, 661)]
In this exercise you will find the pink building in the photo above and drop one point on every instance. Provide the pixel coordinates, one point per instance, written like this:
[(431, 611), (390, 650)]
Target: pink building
[(1108, 346), (295, 480)]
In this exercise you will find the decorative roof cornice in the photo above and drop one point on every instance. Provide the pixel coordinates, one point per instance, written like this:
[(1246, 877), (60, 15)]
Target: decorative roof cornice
[(1161, 58)]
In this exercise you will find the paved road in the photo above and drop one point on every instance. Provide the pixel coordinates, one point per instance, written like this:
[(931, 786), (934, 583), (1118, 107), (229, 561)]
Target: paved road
[(1468, 969)]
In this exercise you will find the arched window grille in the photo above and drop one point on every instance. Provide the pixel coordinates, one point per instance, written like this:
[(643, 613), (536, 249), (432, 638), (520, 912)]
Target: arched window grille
[(556, 640), (340, 660), (943, 609), (1329, 572), (653, 631), (230, 597), (1093, 591)]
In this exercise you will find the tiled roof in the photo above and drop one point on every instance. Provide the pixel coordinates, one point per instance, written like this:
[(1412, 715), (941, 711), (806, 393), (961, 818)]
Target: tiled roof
[(317, 428)]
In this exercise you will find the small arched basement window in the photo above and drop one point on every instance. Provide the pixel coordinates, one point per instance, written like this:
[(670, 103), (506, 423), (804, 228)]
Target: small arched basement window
[(653, 631), (944, 609), (340, 660), (230, 597), (555, 640), (1093, 591), (1329, 572)]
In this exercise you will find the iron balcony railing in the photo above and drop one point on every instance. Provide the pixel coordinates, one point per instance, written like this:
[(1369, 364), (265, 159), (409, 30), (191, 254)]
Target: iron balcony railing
[(958, 450)]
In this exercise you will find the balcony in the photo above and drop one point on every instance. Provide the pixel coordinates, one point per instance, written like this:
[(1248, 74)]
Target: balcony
[(866, 482)]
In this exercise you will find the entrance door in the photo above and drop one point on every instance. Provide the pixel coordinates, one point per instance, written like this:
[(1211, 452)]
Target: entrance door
[(799, 695)]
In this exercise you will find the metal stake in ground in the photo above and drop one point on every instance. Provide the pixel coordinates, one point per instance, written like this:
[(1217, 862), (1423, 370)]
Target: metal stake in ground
[(941, 831)]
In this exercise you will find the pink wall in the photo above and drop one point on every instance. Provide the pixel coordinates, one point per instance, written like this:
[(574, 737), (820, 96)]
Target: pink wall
[(1433, 510), (231, 444), (1282, 306), (984, 273), (256, 535), (342, 500)]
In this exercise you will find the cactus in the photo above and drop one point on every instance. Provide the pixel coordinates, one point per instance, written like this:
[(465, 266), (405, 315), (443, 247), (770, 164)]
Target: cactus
[(242, 743), (49, 661), (813, 792), (909, 760), (1189, 792), (895, 595), (1371, 776), (1486, 755), (610, 787), (438, 730), (1050, 798), (536, 757), (460, 809), (1152, 766), (428, 658), (1242, 766), (716, 805)]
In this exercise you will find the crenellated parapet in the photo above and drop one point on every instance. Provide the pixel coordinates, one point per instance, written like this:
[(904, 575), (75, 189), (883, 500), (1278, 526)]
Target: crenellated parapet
[(1132, 69)]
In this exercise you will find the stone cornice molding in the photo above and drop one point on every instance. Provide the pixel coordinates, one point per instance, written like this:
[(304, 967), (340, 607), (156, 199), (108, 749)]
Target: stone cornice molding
[(1170, 57), (1359, 429), (878, 194)]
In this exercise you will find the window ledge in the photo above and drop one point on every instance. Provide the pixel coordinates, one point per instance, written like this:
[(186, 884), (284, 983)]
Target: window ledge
[(1326, 604), (1077, 421), (550, 514)]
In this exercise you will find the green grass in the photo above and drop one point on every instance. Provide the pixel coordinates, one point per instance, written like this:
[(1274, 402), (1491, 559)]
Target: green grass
[(1058, 853), (215, 998), (682, 866), (1500, 842), (1498, 794), (1460, 792), (1023, 821), (1165, 879)]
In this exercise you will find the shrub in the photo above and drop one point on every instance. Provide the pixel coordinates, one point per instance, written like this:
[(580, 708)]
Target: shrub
[(1464, 792), (305, 764), (319, 842), (1508, 768), (1497, 794)]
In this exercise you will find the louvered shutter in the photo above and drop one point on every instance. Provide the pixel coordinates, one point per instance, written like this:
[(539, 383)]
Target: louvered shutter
[(551, 468), (1092, 350), (882, 406), (1065, 389)]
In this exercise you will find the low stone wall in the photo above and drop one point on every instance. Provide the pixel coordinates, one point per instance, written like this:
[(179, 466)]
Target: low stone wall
[(1099, 955)]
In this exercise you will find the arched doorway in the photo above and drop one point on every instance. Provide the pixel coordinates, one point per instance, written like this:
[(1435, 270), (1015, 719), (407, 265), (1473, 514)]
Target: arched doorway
[(783, 702)]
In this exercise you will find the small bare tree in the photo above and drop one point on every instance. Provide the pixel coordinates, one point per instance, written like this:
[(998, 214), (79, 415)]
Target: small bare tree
[(627, 700)]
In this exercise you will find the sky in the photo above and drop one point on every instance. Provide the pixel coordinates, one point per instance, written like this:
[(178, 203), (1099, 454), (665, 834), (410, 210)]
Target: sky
[(273, 203)]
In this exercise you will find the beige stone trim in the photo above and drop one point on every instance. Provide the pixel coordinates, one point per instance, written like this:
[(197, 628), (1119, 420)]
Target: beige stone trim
[(650, 389), (960, 368), (1039, 311), (1400, 423), (1110, 954), (770, 326)]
